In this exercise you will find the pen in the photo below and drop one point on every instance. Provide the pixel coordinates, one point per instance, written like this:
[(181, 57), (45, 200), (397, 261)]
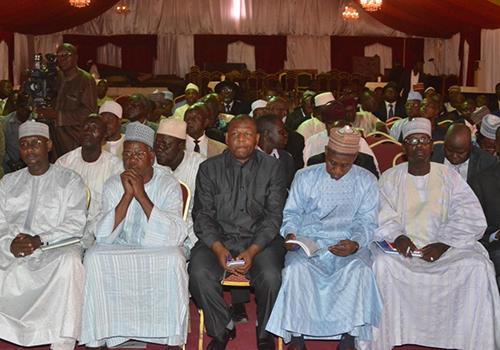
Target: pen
[(407, 250)]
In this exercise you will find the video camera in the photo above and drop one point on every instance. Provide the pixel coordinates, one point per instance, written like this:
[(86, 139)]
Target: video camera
[(40, 85)]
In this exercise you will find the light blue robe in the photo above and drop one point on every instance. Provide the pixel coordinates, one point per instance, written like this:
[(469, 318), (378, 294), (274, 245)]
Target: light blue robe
[(324, 296)]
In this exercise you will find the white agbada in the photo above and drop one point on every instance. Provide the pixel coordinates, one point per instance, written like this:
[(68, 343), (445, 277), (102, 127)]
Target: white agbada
[(453, 302), (94, 175), (186, 172), (136, 277), (311, 127), (115, 147), (41, 294)]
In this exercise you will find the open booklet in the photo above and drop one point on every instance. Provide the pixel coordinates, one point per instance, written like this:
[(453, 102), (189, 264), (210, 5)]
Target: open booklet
[(309, 246), (389, 248), (62, 243)]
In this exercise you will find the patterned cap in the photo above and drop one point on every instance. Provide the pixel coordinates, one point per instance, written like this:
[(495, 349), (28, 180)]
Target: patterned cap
[(192, 86), (414, 96), (323, 98), (33, 128), (417, 126), (344, 140), (140, 133), (489, 126)]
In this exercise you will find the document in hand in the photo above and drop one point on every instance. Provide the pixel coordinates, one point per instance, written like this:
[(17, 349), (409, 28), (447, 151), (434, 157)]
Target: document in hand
[(62, 243), (309, 246), (389, 248)]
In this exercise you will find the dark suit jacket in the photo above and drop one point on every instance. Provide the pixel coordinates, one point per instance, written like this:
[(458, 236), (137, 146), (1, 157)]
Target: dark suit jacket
[(294, 119), (399, 111), (363, 160), (237, 204), (295, 147), (239, 107), (479, 160), (288, 164), (486, 186), (493, 105)]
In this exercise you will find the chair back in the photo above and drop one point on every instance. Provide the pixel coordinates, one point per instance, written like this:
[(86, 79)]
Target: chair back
[(377, 136), (385, 151), (399, 158), (186, 199)]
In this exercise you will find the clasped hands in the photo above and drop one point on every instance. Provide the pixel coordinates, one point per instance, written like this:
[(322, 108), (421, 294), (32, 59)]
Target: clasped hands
[(343, 248), (23, 245), (133, 184), (223, 256), (430, 252)]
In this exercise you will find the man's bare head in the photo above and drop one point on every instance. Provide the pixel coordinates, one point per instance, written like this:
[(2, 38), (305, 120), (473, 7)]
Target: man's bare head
[(457, 144)]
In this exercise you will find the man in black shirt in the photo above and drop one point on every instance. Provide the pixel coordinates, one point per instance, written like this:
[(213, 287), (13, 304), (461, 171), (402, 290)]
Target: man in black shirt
[(237, 214)]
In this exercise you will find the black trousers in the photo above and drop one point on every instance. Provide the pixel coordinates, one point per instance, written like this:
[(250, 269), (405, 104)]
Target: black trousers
[(205, 275)]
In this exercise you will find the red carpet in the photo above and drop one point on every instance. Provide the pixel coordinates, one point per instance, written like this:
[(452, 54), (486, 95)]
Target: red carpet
[(245, 337)]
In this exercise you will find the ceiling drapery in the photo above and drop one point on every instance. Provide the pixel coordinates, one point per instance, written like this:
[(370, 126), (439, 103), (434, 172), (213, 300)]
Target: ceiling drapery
[(439, 18), (47, 16)]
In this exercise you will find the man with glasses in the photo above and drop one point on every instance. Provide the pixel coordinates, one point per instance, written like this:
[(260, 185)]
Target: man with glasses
[(40, 289), (76, 99), (442, 279), (136, 284)]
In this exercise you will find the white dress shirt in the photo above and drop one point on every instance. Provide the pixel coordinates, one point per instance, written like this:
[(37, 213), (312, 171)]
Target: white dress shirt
[(203, 144)]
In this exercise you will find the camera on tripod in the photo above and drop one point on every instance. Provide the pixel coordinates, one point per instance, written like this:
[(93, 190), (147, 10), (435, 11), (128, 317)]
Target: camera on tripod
[(40, 85)]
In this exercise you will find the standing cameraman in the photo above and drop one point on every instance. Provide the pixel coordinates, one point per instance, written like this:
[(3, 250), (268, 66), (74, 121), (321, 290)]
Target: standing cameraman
[(76, 99)]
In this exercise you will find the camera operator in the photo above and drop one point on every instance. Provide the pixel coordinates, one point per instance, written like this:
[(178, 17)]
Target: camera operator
[(76, 99)]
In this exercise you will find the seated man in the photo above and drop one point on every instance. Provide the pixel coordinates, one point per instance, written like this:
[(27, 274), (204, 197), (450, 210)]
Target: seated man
[(272, 141), (332, 294), (198, 121), (40, 290), (302, 112), (192, 94), (237, 212), (485, 186), (432, 300), (170, 150), (95, 166), (460, 154), (314, 125), (486, 136), (334, 114), (111, 114), (136, 278)]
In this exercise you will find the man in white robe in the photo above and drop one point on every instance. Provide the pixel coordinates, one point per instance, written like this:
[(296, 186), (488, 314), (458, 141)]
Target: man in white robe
[(313, 125), (40, 290), (111, 114), (192, 94), (171, 153), (95, 166), (136, 283), (447, 298)]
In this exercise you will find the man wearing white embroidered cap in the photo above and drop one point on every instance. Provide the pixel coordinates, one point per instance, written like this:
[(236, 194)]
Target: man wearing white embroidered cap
[(429, 212), (170, 150), (111, 114), (313, 126), (40, 290), (192, 94), (486, 137)]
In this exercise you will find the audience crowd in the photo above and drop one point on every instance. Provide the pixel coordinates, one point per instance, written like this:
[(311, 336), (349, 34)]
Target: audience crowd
[(372, 219)]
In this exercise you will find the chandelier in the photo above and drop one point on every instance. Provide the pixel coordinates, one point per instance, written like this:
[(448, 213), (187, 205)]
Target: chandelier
[(79, 3), (122, 9), (350, 14), (371, 5)]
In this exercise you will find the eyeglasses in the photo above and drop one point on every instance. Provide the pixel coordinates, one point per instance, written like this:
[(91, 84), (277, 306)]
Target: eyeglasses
[(141, 155), (416, 141), (35, 144)]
